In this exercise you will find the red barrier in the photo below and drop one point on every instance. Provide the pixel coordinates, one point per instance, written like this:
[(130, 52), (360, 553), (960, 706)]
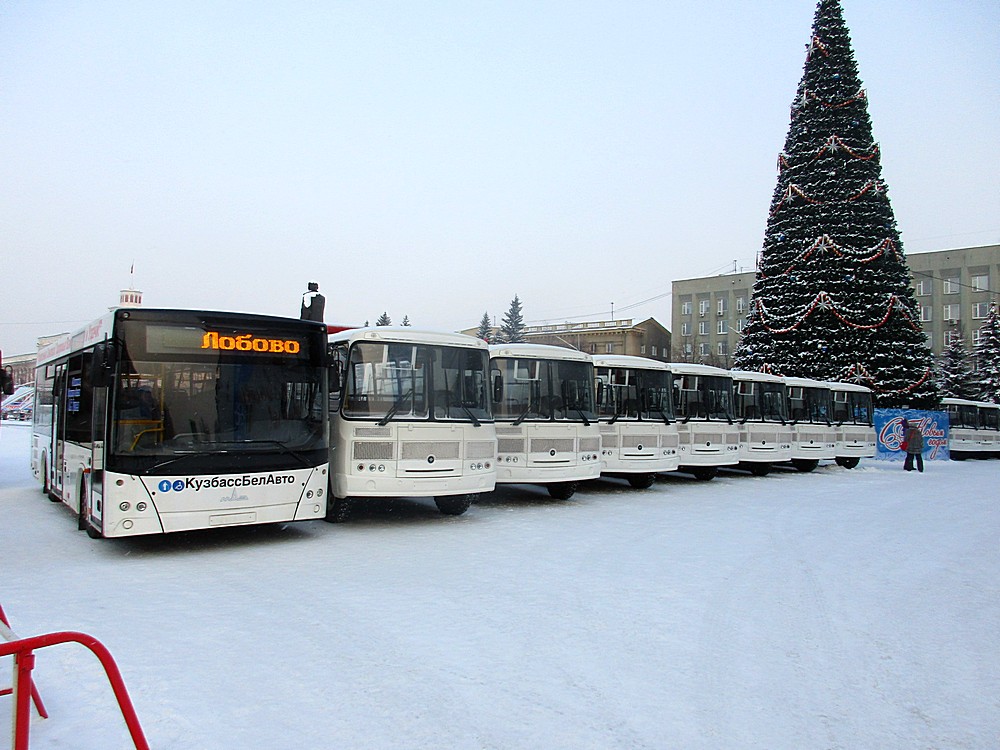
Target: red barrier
[(39, 706), (22, 650)]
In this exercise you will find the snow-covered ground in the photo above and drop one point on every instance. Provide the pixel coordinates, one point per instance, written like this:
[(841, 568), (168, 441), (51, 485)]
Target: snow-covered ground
[(839, 609)]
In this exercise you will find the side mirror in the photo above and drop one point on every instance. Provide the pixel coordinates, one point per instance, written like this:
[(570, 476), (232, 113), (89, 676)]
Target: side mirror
[(497, 387), (102, 365), (600, 391), (7, 380)]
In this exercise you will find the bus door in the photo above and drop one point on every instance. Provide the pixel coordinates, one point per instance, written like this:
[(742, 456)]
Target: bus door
[(99, 405), (58, 438)]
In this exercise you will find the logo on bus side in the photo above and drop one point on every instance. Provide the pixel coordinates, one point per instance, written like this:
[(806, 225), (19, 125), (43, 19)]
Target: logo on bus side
[(179, 485)]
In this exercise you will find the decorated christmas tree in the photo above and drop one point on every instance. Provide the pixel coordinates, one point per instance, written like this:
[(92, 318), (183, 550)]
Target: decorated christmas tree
[(955, 378), (988, 357), (832, 297)]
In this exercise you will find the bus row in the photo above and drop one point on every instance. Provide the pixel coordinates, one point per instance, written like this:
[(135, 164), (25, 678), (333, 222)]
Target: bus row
[(974, 428), (152, 421)]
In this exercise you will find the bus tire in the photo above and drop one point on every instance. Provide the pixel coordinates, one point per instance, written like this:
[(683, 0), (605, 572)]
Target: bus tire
[(805, 465), (46, 490), (641, 481), (338, 509), (455, 505), (82, 522), (561, 490), (760, 469), (848, 462), (705, 473)]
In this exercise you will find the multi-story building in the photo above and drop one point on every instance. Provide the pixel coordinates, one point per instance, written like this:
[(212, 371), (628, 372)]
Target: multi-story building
[(646, 339), (953, 289)]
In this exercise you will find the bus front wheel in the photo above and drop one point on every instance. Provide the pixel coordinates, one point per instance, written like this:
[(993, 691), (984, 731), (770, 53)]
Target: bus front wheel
[(805, 465), (848, 462), (641, 481), (455, 505), (705, 473), (561, 490), (760, 469), (338, 509)]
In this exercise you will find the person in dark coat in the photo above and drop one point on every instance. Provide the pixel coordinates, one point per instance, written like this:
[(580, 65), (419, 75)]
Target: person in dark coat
[(313, 303), (914, 440)]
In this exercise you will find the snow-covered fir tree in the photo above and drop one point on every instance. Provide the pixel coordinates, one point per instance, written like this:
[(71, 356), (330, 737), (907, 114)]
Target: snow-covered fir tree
[(955, 378), (384, 320), (512, 325), (485, 330), (832, 297), (988, 357), (406, 321)]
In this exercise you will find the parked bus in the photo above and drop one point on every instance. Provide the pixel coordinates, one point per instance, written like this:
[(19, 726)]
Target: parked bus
[(410, 417), (853, 418), (814, 437), (974, 428), (706, 428), (761, 408), (150, 421), (637, 425), (543, 402)]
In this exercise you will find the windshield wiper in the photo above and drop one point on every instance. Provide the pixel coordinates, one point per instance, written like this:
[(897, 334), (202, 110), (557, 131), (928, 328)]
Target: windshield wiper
[(583, 416), (467, 410), (394, 408), (284, 447), (523, 415)]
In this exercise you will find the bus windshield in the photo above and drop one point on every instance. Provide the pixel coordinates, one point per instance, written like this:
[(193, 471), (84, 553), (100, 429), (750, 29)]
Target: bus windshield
[(708, 397), (632, 394), (852, 407), (179, 394), (760, 401), (406, 381), (542, 389)]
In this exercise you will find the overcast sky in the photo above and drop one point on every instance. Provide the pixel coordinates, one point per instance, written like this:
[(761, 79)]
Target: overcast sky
[(433, 159)]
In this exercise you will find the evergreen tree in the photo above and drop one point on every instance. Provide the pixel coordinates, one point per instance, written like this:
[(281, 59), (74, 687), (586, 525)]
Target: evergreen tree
[(512, 326), (406, 321), (988, 357), (485, 331), (955, 377), (384, 320), (832, 298)]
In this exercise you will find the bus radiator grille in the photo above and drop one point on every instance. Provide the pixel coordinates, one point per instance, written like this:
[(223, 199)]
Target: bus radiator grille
[(634, 441), (423, 448), (372, 451), (511, 445), (481, 449), (591, 444), (560, 445)]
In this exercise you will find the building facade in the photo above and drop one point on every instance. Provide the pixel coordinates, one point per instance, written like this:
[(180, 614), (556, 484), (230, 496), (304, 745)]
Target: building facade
[(646, 339), (953, 289)]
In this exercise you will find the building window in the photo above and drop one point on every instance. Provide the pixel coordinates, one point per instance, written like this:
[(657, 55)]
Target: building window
[(703, 328), (925, 313), (980, 283), (741, 305), (703, 306), (980, 310), (686, 307), (976, 335), (688, 349), (593, 348), (950, 336), (741, 324), (922, 288), (951, 285), (722, 305), (951, 312), (723, 349), (652, 351), (704, 350), (722, 328), (642, 349), (685, 329), (609, 348)]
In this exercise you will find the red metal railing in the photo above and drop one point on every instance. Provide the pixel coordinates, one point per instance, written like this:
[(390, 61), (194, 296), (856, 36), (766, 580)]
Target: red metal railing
[(24, 689)]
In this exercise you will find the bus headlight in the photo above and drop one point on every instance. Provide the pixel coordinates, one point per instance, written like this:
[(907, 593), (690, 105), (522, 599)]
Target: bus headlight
[(123, 507), (140, 507)]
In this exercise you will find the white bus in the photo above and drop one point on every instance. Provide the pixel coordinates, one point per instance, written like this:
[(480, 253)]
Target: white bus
[(974, 428), (409, 417), (543, 403), (853, 418), (638, 430), (761, 407), (151, 421), (810, 406), (703, 401)]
